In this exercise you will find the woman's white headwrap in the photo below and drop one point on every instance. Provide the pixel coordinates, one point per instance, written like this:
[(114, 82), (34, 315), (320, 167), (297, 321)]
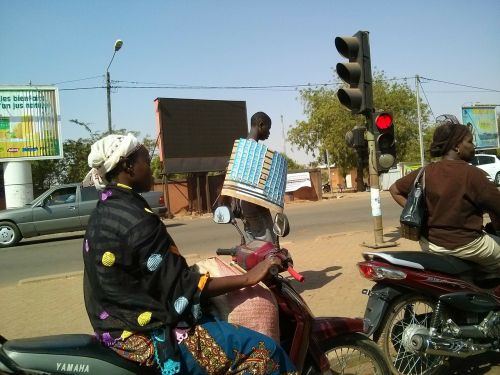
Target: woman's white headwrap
[(105, 154)]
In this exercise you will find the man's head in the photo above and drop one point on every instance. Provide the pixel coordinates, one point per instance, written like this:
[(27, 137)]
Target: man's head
[(260, 126), (452, 139), (120, 159)]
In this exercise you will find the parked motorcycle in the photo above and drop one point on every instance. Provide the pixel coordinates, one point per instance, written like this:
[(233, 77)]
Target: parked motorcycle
[(316, 345), (326, 187), (426, 308)]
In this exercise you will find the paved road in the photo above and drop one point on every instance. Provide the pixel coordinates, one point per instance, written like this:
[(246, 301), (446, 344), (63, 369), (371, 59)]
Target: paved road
[(62, 253)]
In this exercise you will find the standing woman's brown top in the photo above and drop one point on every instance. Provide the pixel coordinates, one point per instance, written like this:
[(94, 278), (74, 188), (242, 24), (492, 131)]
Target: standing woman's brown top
[(457, 194)]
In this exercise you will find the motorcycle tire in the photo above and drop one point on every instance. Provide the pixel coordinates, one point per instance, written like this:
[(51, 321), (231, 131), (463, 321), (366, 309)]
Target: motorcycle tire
[(355, 354), (406, 315)]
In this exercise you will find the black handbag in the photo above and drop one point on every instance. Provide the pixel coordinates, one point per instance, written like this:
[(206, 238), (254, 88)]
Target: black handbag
[(414, 215)]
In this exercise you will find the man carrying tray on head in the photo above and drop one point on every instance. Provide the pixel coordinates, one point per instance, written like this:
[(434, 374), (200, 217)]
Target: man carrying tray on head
[(256, 197)]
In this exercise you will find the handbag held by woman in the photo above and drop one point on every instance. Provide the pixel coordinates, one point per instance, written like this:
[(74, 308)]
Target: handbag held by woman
[(413, 216)]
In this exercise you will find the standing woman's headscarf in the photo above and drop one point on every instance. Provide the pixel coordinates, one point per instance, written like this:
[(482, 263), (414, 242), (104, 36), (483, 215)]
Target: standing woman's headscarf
[(447, 135), (105, 154)]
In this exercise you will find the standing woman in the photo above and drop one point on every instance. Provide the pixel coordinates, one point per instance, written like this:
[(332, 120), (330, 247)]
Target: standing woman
[(457, 196), (142, 299)]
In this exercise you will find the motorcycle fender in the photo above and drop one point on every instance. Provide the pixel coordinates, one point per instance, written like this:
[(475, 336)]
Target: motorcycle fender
[(380, 298), (325, 328)]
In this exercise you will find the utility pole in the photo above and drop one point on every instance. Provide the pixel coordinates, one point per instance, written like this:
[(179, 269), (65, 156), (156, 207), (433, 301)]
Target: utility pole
[(329, 171), (378, 226), (419, 119), (283, 134), (108, 92)]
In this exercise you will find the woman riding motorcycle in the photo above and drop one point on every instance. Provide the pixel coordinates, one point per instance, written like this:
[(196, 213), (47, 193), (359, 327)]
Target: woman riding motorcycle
[(457, 195), (143, 300)]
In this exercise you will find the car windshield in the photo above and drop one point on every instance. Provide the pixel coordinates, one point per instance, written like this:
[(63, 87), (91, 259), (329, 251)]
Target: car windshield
[(34, 200)]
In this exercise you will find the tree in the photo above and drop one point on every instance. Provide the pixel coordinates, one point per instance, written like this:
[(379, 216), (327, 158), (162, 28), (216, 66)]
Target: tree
[(292, 164), (44, 175), (328, 121), (156, 165), (73, 167)]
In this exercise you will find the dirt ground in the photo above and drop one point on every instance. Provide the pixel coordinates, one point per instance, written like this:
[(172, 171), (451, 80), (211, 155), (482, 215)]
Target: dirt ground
[(332, 287)]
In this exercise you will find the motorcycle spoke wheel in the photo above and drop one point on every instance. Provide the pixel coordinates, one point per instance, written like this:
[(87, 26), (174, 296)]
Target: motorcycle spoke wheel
[(355, 355), (408, 316)]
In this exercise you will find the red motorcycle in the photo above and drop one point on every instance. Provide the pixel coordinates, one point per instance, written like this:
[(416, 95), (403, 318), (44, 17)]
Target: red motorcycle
[(426, 308), (327, 345)]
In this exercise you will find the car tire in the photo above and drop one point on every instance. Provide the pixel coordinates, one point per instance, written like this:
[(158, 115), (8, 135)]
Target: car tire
[(9, 234), (497, 179)]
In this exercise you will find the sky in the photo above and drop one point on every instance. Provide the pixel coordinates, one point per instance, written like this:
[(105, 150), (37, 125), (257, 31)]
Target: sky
[(241, 43)]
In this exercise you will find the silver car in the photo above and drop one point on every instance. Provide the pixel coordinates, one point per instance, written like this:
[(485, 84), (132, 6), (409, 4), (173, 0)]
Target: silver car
[(63, 208)]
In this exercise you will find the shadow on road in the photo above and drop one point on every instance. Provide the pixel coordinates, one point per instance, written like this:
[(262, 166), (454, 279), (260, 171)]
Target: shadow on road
[(316, 279), (392, 236), (475, 365), (174, 225)]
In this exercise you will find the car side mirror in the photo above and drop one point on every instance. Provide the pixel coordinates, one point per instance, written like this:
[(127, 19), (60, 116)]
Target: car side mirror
[(281, 225), (223, 215)]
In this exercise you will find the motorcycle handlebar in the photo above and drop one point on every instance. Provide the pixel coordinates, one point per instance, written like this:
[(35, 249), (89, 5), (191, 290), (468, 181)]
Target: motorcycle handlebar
[(231, 251), (297, 276)]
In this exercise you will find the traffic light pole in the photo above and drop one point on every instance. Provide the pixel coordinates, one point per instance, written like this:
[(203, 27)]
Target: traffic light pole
[(358, 98), (378, 228)]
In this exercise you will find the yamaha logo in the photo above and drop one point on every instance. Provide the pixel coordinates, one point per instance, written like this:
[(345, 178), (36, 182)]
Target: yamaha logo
[(76, 368)]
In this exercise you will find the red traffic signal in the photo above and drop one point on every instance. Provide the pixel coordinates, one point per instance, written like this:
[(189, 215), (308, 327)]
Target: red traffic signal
[(385, 141), (383, 121)]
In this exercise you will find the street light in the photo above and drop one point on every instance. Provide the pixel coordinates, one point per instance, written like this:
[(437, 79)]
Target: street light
[(118, 45)]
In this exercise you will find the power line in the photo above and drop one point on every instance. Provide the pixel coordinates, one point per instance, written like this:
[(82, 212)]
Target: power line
[(459, 84), (427, 100), (78, 80), (199, 87), (454, 91), (398, 79), (210, 87), (290, 87), (83, 88)]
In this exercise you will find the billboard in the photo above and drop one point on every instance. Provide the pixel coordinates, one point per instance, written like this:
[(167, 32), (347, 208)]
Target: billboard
[(30, 123), (198, 135), (483, 122)]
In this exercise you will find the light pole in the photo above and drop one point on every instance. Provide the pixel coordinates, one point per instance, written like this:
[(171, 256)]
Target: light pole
[(118, 45)]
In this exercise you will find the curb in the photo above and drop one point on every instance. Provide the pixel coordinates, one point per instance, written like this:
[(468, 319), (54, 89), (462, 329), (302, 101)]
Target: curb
[(69, 275), (56, 276)]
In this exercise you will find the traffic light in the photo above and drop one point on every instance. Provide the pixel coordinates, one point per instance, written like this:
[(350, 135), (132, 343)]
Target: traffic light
[(385, 141), (357, 73), (356, 137)]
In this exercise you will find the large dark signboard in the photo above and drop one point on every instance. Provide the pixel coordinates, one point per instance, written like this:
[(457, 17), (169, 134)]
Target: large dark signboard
[(198, 135)]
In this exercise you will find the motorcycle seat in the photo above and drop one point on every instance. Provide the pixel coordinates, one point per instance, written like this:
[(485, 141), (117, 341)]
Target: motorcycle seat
[(440, 263), (74, 345)]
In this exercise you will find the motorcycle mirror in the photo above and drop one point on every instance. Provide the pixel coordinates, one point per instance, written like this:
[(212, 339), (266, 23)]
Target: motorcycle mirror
[(281, 225), (222, 215)]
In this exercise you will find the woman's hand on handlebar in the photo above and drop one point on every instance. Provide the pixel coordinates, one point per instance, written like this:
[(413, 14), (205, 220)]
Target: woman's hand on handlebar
[(261, 270), (220, 285)]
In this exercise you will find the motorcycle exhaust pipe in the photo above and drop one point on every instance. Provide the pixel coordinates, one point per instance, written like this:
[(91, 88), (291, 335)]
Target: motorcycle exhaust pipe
[(449, 347)]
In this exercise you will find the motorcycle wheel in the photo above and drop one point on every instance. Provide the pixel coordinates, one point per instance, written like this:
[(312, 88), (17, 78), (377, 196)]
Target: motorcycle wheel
[(408, 315), (355, 354)]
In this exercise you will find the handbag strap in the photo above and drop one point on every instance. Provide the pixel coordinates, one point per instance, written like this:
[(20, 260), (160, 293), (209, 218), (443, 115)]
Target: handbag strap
[(420, 176)]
